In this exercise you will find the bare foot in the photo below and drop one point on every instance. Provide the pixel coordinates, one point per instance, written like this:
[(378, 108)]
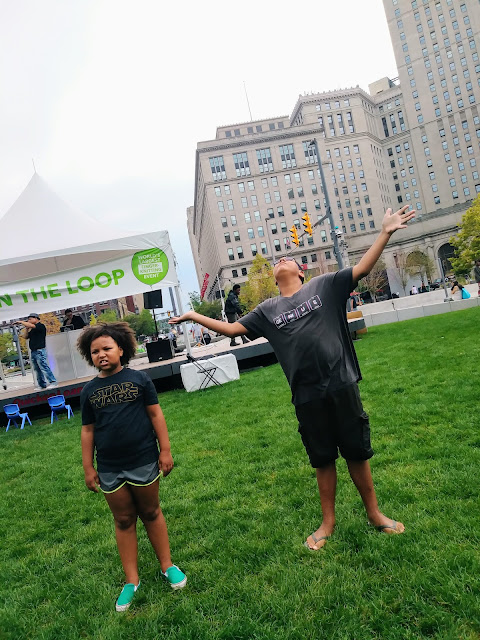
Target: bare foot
[(318, 538), (386, 525)]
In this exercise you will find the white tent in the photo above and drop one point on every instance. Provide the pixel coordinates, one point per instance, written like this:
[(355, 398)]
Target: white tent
[(52, 257)]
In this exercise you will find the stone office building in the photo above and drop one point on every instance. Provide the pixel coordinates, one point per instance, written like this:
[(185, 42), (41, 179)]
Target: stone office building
[(412, 140)]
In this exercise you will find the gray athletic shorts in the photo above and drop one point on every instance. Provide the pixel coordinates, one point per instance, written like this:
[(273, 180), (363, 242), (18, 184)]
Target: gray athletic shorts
[(111, 481)]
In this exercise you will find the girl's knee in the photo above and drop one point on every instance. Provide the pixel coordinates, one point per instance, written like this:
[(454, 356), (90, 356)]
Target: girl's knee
[(125, 521), (150, 514)]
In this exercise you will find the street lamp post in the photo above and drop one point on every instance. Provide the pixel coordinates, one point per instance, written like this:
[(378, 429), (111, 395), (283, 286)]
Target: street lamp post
[(336, 246)]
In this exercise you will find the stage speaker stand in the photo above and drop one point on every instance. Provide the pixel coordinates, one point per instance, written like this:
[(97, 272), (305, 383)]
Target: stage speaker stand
[(159, 350)]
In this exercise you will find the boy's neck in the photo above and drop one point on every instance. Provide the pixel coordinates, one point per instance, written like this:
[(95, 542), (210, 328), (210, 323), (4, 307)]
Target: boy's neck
[(290, 287)]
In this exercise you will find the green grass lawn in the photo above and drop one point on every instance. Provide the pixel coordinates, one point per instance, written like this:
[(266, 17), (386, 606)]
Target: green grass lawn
[(241, 500)]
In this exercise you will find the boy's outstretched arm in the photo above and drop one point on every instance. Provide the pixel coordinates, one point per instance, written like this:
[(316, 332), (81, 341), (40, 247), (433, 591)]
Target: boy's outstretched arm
[(225, 328), (391, 223)]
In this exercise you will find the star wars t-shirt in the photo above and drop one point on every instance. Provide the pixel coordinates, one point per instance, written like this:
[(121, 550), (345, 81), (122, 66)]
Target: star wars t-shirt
[(123, 435), (309, 334)]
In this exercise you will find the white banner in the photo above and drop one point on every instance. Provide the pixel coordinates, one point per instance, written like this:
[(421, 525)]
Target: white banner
[(141, 271)]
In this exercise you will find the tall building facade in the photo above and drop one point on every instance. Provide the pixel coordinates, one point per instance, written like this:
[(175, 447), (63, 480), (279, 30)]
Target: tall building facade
[(414, 140)]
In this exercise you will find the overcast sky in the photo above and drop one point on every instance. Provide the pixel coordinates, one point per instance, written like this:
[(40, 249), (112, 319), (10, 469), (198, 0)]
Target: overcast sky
[(111, 97)]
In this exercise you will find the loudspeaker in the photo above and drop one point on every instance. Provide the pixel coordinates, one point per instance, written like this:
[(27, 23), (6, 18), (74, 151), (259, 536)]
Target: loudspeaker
[(160, 350), (153, 299)]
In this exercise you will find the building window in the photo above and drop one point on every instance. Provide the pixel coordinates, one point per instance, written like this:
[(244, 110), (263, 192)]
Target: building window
[(242, 167), (277, 245), (240, 252), (227, 237), (230, 254), (253, 248), (218, 168), (250, 233), (260, 232), (263, 248), (265, 163), (309, 151), (234, 273), (221, 206), (280, 212), (230, 204), (287, 156)]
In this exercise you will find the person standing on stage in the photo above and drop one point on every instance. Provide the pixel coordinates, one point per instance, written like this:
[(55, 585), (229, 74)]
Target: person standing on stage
[(36, 335)]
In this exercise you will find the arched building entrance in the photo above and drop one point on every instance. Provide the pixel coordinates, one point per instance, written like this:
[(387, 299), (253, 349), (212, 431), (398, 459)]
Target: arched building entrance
[(445, 252)]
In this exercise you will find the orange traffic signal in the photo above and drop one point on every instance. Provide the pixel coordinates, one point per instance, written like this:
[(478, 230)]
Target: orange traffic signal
[(307, 225), (294, 234)]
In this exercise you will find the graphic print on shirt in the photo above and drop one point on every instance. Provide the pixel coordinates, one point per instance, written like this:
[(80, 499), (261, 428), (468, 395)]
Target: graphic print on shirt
[(312, 304), (114, 394)]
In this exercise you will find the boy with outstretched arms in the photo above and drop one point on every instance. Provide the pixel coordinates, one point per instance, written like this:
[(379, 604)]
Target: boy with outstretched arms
[(308, 330)]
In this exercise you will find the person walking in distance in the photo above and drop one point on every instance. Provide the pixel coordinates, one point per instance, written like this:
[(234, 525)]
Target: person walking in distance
[(308, 330), (233, 310), (36, 335)]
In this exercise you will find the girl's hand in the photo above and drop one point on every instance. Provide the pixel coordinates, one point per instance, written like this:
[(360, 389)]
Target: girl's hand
[(165, 462), (91, 480), (398, 220)]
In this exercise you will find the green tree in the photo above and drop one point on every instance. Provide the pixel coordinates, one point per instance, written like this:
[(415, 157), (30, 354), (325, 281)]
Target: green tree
[(143, 323), (420, 264), (108, 315), (467, 241), (260, 284), (375, 281), (206, 308), (7, 346)]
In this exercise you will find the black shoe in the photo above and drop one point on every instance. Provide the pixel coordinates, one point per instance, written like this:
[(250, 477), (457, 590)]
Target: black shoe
[(234, 344)]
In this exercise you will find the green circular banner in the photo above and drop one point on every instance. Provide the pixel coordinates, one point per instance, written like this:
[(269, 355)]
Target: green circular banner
[(150, 266)]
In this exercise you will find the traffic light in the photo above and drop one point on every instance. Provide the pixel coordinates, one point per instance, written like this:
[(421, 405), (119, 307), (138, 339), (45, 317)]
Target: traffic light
[(294, 234), (307, 225)]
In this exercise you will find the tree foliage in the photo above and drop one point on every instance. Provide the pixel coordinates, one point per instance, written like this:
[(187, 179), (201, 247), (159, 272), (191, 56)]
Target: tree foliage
[(376, 280), (467, 241), (108, 315), (51, 322), (206, 308), (260, 284), (420, 264), (142, 323), (7, 346)]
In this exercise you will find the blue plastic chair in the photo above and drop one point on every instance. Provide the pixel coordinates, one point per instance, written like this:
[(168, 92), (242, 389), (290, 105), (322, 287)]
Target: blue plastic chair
[(12, 412), (57, 403)]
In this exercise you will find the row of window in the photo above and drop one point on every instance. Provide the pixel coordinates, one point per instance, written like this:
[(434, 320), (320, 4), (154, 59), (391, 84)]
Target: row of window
[(334, 125), (258, 129), (326, 106), (264, 159)]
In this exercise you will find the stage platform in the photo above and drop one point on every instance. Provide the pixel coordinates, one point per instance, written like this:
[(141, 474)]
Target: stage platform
[(165, 374)]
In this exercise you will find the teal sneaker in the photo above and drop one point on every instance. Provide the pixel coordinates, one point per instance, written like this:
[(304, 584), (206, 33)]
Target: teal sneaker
[(126, 597), (175, 577)]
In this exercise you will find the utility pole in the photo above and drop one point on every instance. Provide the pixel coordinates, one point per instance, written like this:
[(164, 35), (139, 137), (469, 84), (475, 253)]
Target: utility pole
[(333, 232)]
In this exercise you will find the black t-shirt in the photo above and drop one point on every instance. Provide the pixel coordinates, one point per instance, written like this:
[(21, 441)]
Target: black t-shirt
[(309, 334), (37, 336), (76, 323), (124, 435)]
